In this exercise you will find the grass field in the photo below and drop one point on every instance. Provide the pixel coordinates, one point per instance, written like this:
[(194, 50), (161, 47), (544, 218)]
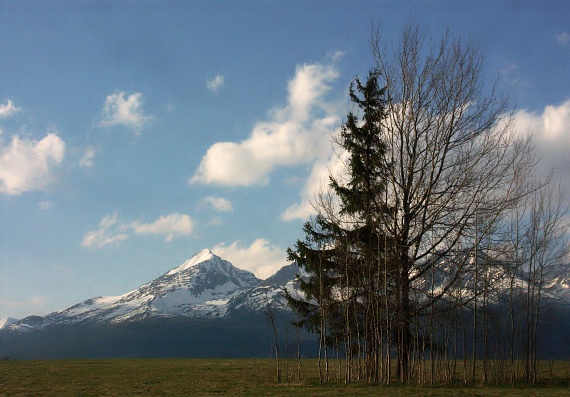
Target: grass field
[(223, 377)]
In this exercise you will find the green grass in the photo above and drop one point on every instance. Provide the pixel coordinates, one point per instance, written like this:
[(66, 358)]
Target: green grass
[(207, 377)]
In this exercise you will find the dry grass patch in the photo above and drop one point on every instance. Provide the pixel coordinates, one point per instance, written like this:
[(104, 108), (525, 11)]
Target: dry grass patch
[(220, 377)]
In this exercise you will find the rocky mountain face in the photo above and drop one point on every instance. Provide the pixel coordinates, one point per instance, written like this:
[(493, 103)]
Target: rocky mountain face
[(467, 274), (5, 322), (206, 307), (205, 286), (208, 287)]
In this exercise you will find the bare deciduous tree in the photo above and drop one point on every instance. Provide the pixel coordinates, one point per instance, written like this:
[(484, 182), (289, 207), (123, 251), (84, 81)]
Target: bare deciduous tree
[(452, 156), (434, 172)]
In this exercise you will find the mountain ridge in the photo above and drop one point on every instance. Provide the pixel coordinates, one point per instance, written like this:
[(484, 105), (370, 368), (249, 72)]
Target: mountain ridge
[(207, 307), (204, 286)]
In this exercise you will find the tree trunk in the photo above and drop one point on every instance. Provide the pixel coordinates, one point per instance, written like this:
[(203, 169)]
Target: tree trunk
[(404, 339)]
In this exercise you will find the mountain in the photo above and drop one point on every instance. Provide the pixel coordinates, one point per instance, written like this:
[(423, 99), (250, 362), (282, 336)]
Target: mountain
[(559, 285), (205, 307), (268, 296), (5, 322), (496, 275), (205, 286)]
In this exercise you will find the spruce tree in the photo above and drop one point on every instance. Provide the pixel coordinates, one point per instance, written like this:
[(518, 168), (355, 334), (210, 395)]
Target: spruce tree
[(345, 250), (433, 167)]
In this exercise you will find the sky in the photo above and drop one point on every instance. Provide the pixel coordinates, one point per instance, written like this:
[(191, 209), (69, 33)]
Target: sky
[(134, 134)]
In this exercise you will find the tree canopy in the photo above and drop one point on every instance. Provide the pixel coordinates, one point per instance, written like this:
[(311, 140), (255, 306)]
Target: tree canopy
[(433, 168)]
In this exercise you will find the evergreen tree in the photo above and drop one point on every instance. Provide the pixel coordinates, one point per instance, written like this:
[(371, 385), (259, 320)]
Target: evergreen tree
[(432, 168), (345, 251)]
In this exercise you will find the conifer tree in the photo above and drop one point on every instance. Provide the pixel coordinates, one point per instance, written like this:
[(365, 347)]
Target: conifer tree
[(433, 165), (344, 251)]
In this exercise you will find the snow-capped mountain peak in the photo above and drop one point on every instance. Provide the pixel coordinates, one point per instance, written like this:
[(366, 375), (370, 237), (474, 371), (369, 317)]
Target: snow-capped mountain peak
[(199, 257), (202, 286), (5, 322)]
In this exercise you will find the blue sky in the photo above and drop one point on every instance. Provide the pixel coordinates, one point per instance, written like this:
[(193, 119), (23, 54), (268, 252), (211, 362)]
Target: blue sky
[(135, 133)]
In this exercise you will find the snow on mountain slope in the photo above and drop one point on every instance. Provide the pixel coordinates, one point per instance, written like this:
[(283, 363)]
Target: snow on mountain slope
[(559, 284), (270, 293), (5, 322), (494, 275), (206, 286), (200, 287)]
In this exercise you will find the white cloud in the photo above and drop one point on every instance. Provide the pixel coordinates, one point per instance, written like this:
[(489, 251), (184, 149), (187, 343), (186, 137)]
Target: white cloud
[(216, 83), (108, 233), (28, 164), (8, 109), (111, 231), (215, 221), (45, 205), (124, 109), (220, 204), (563, 38), (261, 258), (23, 308), (551, 134), (169, 225), (87, 159), (293, 134), (317, 183)]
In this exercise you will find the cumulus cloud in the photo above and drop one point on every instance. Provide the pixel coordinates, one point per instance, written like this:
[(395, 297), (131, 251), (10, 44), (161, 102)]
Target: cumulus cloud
[(8, 109), (125, 110), (45, 205), (27, 164), (261, 258), (23, 308), (170, 226), (563, 38), (108, 233), (219, 204), (87, 160), (551, 133), (216, 83), (215, 221), (291, 135), (112, 231), (316, 184)]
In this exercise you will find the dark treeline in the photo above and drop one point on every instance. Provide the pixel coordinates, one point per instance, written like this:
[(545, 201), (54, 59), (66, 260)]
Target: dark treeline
[(431, 251)]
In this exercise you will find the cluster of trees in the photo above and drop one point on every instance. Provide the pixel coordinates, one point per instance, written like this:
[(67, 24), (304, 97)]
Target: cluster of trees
[(432, 247)]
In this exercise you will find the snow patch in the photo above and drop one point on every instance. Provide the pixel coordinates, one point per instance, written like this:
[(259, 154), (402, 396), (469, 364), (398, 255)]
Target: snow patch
[(204, 286), (5, 322), (202, 256)]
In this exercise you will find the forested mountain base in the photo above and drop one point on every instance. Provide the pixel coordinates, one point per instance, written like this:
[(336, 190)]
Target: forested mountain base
[(247, 336)]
